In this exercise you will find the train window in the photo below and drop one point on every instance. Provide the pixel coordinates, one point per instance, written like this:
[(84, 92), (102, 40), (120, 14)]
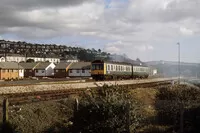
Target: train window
[(100, 66), (111, 67), (108, 67), (97, 67)]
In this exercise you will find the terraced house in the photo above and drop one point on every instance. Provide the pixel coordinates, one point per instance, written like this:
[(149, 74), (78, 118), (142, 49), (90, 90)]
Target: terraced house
[(61, 70), (29, 69), (11, 71)]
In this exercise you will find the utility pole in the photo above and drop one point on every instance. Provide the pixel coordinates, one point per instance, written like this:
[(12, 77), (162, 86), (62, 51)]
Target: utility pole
[(179, 63)]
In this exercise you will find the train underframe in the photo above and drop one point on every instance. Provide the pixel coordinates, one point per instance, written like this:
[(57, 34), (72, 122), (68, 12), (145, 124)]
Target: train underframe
[(118, 77)]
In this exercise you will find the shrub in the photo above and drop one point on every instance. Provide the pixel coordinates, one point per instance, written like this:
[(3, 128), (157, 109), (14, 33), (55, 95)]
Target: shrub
[(106, 110)]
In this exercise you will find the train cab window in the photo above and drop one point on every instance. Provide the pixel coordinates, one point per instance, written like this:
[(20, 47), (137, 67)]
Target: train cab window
[(83, 71), (93, 67)]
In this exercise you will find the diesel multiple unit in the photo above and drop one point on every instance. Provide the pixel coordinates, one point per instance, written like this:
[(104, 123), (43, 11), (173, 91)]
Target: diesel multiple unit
[(102, 70)]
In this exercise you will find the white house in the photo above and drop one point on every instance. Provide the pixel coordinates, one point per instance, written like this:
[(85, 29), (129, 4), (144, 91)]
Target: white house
[(21, 73), (53, 60), (69, 59), (80, 69), (12, 58), (39, 59), (45, 69), (2, 59)]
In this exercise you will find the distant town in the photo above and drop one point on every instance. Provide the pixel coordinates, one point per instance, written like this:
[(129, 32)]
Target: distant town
[(23, 51)]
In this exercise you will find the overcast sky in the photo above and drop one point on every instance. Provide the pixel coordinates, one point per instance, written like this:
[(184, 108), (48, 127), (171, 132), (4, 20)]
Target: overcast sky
[(148, 29)]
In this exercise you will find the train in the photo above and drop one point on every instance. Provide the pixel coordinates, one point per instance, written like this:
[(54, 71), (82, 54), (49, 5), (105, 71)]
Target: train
[(108, 70)]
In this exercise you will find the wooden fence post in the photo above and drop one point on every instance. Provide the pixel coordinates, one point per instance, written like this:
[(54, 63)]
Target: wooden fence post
[(128, 118), (5, 110)]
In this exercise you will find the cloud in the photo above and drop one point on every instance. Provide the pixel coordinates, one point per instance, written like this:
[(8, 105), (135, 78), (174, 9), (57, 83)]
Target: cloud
[(186, 31), (138, 24)]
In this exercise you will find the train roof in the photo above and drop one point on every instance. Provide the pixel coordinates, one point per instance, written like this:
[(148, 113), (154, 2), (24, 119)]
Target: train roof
[(134, 63)]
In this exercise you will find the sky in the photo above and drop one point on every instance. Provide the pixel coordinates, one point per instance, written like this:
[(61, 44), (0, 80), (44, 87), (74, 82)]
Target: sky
[(145, 29)]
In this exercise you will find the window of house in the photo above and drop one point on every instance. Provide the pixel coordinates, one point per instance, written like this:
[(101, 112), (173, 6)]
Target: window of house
[(36, 71), (70, 71), (83, 71), (11, 70), (111, 67), (77, 71)]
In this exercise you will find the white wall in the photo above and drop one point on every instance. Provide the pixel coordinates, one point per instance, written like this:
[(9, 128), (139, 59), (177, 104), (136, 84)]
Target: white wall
[(21, 73), (80, 74), (15, 58), (72, 61), (48, 71), (40, 73), (2, 59), (53, 60)]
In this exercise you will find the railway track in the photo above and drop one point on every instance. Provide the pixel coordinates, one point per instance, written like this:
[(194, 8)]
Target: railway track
[(37, 96)]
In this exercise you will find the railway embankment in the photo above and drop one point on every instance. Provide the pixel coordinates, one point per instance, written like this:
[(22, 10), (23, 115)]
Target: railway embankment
[(163, 109)]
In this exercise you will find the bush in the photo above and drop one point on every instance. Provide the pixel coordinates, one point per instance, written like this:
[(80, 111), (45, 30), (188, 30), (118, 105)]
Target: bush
[(106, 110), (170, 102)]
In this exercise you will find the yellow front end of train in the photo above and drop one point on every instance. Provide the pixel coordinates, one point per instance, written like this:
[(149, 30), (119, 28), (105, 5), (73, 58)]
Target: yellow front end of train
[(98, 71)]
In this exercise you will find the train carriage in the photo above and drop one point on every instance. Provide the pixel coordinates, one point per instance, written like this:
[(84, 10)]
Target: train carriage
[(102, 70)]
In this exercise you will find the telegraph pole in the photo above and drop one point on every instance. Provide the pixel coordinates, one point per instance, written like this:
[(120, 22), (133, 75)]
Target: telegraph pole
[(179, 62)]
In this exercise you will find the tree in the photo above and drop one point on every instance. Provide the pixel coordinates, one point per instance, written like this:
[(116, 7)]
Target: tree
[(99, 50)]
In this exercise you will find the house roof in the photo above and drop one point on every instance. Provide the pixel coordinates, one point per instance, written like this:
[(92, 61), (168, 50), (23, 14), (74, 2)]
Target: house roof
[(81, 65), (42, 65), (28, 65), (62, 65), (10, 65)]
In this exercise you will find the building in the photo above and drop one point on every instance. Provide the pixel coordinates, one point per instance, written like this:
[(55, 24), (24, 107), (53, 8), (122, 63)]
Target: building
[(44, 69), (20, 58), (12, 58), (29, 68), (11, 71), (61, 70), (39, 59), (80, 69), (69, 59)]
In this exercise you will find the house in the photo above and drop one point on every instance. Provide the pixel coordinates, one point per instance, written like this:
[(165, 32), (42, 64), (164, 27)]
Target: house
[(61, 70), (80, 69), (11, 70), (69, 59), (13, 58), (40, 59), (45, 69), (29, 68)]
